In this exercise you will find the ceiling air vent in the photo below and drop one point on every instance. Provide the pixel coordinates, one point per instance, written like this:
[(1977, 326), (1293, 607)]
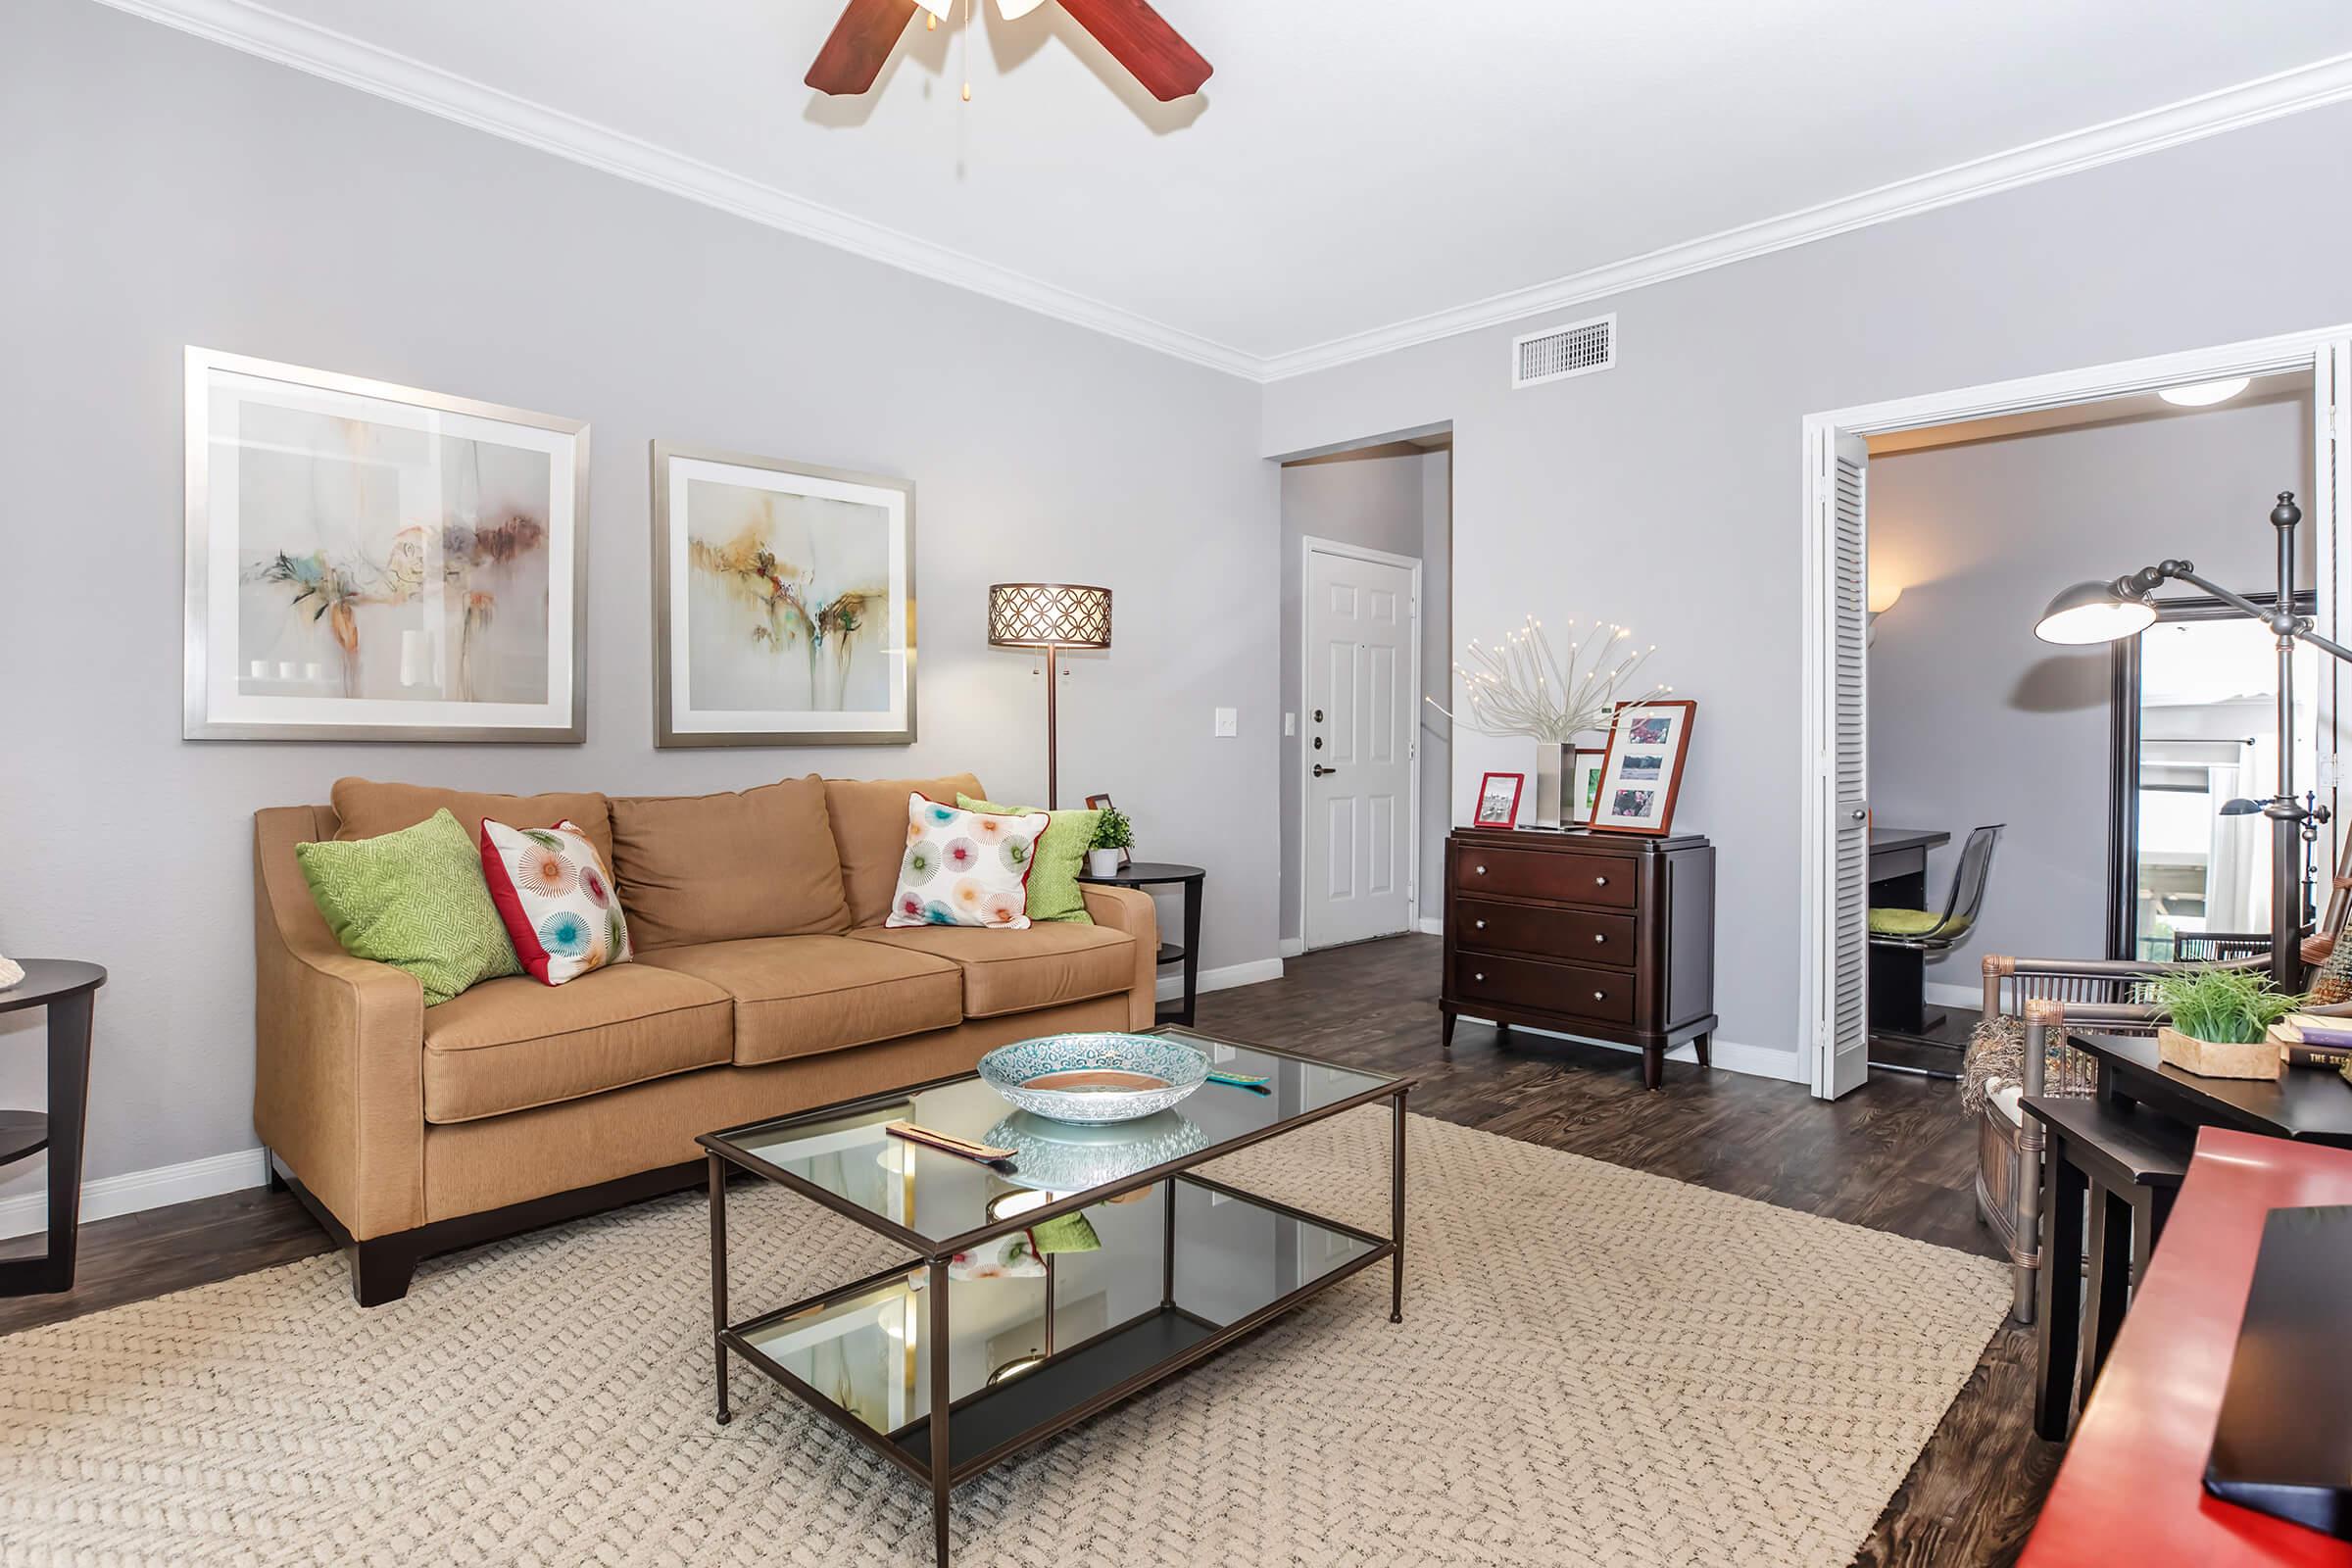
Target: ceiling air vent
[(1559, 352)]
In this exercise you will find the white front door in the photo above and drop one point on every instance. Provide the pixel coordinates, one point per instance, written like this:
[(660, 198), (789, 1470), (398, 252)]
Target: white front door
[(1362, 683)]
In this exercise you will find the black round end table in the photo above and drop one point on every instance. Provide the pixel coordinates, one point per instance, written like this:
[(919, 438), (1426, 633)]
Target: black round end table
[(1157, 873), (66, 988)]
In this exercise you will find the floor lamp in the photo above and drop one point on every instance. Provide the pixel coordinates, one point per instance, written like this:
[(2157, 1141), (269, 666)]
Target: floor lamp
[(2109, 612), (1052, 616)]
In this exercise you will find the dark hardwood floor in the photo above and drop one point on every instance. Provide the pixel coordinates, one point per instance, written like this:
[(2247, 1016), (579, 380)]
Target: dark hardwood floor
[(1895, 1155)]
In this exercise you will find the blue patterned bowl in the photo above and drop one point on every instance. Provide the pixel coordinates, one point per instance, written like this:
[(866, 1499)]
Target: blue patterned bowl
[(1094, 1078)]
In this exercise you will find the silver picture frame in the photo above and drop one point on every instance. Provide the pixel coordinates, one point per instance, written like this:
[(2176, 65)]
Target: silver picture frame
[(669, 732), (565, 722)]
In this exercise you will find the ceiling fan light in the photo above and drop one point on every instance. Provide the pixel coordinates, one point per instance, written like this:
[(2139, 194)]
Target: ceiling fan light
[(939, 9), (1014, 10)]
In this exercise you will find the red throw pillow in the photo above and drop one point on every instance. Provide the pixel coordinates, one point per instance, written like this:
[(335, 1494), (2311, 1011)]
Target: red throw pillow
[(556, 899)]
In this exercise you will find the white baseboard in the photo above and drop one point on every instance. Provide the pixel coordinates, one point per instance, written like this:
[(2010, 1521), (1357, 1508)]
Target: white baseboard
[(134, 1190), (1291, 947), (1171, 986), (1947, 995), (1433, 925), (1757, 1061)]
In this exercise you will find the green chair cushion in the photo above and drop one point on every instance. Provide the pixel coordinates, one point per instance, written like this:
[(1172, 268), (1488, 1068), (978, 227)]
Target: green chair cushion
[(415, 900), (1054, 890), (1903, 922)]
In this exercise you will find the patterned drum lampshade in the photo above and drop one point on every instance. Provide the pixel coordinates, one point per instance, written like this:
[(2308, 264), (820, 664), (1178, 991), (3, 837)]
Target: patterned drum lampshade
[(1052, 616), (1047, 615)]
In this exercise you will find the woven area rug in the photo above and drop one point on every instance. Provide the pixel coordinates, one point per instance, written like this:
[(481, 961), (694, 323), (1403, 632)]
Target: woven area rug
[(1596, 1367)]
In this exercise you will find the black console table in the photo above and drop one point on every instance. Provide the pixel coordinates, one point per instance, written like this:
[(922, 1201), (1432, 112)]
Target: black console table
[(67, 988), (1152, 873), (1604, 935)]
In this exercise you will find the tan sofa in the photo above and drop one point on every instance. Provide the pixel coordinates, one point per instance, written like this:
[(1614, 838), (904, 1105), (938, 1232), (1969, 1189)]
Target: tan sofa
[(764, 983)]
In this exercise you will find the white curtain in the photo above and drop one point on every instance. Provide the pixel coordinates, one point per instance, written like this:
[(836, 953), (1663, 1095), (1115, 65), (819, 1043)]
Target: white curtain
[(2238, 893)]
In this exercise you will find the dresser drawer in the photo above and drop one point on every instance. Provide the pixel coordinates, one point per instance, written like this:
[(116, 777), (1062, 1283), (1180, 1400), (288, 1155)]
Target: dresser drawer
[(1581, 936), (1605, 995), (1545, 874)]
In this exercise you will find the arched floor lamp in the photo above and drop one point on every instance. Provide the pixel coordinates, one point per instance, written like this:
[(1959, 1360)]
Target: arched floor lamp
[(2109, 612)]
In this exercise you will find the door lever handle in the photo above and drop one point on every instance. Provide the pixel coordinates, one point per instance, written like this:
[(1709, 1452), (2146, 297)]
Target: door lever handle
[(1320, 770)]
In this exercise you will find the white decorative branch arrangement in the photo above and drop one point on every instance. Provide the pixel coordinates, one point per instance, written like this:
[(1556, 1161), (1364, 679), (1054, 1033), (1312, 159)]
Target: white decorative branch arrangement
[(1524, 688)]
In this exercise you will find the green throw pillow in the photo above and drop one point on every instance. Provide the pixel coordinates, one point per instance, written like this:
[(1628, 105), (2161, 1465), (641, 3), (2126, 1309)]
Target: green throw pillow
[(415, 900), (1053, 891)]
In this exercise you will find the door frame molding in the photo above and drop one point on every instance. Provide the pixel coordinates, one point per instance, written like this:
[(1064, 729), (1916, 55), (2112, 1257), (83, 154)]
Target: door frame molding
[(2326, 352), (1310, 545)]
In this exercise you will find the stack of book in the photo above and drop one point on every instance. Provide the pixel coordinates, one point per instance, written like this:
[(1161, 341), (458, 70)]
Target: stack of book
[(2314, 1040)]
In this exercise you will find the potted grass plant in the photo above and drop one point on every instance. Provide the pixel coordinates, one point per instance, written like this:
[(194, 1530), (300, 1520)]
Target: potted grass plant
[(2219, 1021), (1113, 832)]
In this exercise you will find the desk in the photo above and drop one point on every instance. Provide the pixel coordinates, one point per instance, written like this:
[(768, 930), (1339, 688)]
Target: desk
[(2131, 1489), (1898, 880)]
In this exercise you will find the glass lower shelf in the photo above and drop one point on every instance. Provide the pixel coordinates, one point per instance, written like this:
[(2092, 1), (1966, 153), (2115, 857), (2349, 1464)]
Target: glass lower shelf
[(1025, 1351)]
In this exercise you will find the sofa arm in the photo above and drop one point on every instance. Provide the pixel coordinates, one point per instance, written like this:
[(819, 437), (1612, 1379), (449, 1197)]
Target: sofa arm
[(338, 1091), (1131, 909)]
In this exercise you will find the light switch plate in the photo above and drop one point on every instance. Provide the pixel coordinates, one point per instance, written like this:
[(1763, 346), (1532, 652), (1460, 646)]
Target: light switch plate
[(1229, 722)]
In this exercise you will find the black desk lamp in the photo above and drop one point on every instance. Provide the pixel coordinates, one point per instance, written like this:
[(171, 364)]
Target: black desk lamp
[(2108, 611)]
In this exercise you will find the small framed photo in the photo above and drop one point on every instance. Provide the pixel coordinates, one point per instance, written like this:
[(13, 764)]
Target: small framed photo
[(1499, 800), (1584, 785), (1643, 771)]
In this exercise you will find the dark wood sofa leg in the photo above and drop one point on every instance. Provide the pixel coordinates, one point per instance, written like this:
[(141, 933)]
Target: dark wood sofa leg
[(380, 1269)]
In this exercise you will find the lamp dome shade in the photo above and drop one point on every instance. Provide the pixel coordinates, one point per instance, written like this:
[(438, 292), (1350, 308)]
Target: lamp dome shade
[(1047, 615), (2093, 613)]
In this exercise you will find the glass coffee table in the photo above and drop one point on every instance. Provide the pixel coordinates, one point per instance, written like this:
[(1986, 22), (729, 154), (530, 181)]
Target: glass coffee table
[(1187, 1264)]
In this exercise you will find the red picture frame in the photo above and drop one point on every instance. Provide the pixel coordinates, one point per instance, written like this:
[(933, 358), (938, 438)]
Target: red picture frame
[(1665, 757), (1478, 810)]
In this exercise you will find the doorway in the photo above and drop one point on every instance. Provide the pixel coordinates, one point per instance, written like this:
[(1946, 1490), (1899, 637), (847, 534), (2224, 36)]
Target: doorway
[(1834, 900), (1366, 555)]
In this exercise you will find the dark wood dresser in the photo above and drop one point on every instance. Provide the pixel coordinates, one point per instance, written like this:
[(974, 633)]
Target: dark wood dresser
[(1604, 935)]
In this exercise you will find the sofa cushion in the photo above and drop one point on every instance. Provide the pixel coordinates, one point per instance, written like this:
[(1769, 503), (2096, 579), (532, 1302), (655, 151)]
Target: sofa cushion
[(798, 995), (368, 809), (720, 867), (869, 829), (1020, 971), (511, 1044)]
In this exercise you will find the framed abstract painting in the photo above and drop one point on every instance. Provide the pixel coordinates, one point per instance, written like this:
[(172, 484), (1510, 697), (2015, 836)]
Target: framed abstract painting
[(783, 603), (376, 563)]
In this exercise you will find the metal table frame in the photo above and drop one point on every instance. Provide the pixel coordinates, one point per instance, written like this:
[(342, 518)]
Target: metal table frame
[(936, 1469)]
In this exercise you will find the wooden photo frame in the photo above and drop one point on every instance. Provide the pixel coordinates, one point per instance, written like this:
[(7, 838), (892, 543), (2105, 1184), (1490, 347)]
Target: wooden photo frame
[(1497, 804), (1582, 784), (1643, 773)]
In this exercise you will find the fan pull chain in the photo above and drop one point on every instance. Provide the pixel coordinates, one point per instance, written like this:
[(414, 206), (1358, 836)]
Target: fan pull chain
[(968, 51)]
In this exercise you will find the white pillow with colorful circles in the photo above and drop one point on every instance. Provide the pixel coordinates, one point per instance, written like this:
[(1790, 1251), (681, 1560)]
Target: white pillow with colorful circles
[(556, 899), (965, 867)]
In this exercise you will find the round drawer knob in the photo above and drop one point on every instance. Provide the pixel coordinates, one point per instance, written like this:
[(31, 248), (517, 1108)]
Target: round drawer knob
[(1599, 881), (1482, 870), (1478, 977), (1480, 924), (1599, 937), (1601, 996)]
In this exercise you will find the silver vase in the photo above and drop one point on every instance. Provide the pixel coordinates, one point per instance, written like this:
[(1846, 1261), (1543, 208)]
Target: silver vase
[(1554, 760)]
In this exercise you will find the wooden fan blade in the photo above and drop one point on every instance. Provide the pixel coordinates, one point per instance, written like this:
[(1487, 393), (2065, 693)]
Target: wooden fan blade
[(1141, 39), (861, 40)]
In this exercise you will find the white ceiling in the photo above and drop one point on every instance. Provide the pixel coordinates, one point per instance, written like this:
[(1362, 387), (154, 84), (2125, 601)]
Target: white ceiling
[(1349, 166)]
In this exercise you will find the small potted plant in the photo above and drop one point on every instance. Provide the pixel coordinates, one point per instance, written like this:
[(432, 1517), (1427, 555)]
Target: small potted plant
[(1112, 833), (2218, 1021)]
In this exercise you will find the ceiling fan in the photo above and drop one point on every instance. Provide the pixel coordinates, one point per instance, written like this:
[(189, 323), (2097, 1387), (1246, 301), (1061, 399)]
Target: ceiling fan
[(1137, 36)]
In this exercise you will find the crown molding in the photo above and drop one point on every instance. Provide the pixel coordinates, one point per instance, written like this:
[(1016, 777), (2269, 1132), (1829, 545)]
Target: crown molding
[(2287, 92), (322, 52), (340, 58)]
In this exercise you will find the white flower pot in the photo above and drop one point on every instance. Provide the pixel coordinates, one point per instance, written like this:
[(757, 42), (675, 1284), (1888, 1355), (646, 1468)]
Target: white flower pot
[(1101, 862)]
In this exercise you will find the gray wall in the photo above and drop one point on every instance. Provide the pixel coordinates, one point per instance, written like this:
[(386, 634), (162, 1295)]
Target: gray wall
[(1400, 505), (1972, 719), (1666, 493), (160, 191)]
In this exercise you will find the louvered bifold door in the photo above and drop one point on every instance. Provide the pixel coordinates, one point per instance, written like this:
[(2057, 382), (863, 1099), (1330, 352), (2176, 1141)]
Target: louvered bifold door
[(1849, 901)]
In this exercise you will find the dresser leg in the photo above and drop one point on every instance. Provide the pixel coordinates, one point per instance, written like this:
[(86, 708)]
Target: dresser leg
[(1704, 1045), (1446, 1027), (1653, 1066)]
